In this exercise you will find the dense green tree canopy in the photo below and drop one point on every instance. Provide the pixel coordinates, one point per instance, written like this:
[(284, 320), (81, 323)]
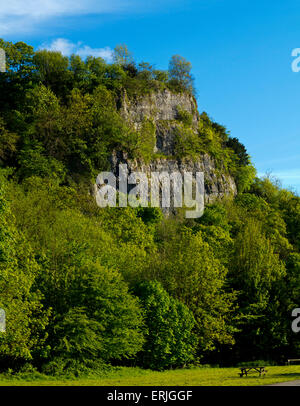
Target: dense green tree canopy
[(82, 285)]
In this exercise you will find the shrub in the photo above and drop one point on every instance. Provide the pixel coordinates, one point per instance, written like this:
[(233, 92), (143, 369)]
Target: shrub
[(184, 116)]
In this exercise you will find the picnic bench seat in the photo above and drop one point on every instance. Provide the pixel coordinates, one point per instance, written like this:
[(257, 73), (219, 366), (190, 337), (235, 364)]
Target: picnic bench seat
[(246, 370), (292, 360)]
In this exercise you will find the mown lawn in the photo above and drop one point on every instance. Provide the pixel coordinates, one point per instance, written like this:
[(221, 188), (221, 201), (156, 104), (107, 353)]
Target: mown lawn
[(183, 377)]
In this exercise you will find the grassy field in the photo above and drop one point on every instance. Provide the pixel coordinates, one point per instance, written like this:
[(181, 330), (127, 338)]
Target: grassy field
[(183, 377)]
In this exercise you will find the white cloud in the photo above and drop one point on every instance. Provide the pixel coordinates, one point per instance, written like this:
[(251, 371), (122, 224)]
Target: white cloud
[(105, 53), (60, 44), (50, 8), (30, 16), (36, 8), (21, 16), (66, 47)]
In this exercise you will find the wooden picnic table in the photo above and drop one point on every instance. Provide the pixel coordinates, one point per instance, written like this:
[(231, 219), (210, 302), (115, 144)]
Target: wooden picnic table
[(245, 370), (292, 360)]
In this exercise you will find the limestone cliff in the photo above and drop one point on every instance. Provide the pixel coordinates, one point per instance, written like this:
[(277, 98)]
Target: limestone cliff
[(163, 109)]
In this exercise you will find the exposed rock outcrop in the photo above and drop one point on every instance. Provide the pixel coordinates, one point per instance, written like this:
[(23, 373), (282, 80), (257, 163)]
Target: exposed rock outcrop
[(217, 185), (158, 106), (163, 109)]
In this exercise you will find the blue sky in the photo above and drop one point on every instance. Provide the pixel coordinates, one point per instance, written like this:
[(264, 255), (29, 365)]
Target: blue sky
[(240, 51)]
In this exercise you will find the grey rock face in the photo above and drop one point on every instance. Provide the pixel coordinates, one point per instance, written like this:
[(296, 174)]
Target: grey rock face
[(162, 109), (158, 106), (216, 185)]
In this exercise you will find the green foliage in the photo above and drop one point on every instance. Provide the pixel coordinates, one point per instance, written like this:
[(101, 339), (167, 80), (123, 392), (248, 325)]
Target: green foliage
[(239, 150), (150, 215), (19, 76), (122, 55), (25, 317), (66, 109), (33, 161), (77, 336), (146, 140), (184, 116), (222, 286), (244, 177), (8, 144), (53, 72), (187, 142), (98, 318), (189, 271), (258, 273), (69, 254), (170, 341), (212, 140), (151, 76), (180, 74)]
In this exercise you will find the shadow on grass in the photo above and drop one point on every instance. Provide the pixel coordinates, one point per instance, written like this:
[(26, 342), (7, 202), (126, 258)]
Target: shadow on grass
[(295, 375)]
